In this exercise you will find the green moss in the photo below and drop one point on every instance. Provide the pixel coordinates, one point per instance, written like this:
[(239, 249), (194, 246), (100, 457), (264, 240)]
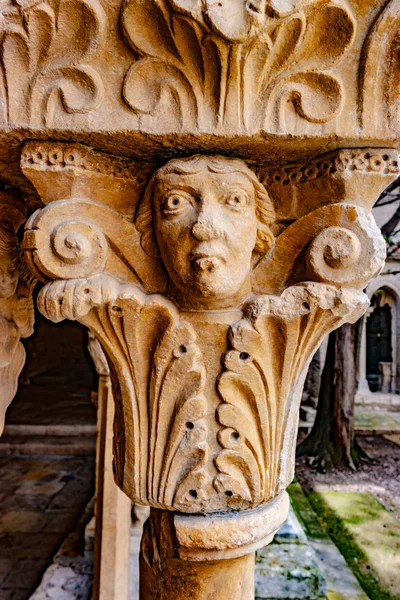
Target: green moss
[(357, 523), (305, 513)]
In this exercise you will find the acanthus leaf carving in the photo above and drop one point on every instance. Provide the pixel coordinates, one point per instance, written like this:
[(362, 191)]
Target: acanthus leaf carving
[(263, 379), (244, 67), (46, 58)]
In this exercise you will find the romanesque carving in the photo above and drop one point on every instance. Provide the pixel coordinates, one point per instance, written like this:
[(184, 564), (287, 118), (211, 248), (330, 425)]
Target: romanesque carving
[(208, 309), (208, 280), (16, 306), (239, 67), (262, 70), (379, 90), (46, 58)]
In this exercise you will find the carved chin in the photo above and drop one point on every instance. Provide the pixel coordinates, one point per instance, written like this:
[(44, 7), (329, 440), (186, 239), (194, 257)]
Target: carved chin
[(212, 283)]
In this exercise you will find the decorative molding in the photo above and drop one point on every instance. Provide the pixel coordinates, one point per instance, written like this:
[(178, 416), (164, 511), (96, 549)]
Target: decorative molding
[(47, 60), (204, 65), (379, 87), (16, 304)]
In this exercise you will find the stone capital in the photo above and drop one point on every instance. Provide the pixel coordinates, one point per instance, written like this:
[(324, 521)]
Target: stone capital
[(209, 288), (199, 178)]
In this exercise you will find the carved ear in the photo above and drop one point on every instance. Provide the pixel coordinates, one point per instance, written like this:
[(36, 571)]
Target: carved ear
[(265, 239)]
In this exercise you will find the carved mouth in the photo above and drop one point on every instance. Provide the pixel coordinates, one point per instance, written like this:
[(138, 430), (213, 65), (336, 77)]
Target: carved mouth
[(207, 264)]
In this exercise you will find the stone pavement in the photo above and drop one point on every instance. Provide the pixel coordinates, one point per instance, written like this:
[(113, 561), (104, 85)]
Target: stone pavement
[(41, 500), (368, 536), (366, 420)]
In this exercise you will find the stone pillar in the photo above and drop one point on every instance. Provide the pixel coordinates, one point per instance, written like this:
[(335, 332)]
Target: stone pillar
[(209, 229), (363, 387), (113, 508), (386, 369)]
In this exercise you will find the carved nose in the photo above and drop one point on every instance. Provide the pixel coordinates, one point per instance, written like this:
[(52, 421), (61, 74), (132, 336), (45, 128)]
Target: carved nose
[(204, 231)]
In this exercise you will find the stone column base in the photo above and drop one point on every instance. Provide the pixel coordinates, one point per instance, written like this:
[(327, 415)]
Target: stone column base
[(205, 556)]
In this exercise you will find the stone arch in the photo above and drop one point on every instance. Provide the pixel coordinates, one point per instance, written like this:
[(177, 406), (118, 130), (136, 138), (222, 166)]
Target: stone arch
[(389, 288)]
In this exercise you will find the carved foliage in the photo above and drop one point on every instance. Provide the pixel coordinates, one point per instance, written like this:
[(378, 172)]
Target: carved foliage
[(379, 89), (237, 67), (263, 380), (160, 440), (47, 48)]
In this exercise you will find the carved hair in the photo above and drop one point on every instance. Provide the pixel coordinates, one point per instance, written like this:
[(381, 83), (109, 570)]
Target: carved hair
[(214, 164), (9, 247)]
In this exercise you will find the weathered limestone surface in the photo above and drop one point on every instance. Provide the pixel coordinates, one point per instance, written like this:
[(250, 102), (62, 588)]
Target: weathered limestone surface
[(112, 508), (204, 174), (16, 305)]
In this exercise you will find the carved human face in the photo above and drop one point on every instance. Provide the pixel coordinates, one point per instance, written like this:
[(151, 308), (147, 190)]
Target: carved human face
[(206, 229), (8, 279)]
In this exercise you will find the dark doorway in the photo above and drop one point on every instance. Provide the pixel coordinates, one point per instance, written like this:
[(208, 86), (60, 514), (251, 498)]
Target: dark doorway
[(379, 342)]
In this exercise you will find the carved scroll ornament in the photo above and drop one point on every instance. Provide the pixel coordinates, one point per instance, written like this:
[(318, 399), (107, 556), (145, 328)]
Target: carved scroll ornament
[(46, 59), (16, 305), (308, 68), (208, 306), (238, 66)]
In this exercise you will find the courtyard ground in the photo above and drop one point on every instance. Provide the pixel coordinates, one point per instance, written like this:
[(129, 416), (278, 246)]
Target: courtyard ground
[(360, 511)]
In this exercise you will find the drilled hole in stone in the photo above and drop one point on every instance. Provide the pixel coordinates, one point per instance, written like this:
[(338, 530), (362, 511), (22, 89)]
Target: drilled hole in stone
[(189, 425), (182, 349), (86, 291), (244, 356), (229, 493), (306, 306), (254, 8), (193, 494), (235, 436), (385, 157), (116, 309)]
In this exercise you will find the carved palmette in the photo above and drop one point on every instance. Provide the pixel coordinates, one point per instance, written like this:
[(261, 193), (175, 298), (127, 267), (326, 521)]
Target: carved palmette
[(263, 379), (162, 447)]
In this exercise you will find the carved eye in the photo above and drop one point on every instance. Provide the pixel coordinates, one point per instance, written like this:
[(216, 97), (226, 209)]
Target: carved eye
[(236, 199), (176, 203)]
